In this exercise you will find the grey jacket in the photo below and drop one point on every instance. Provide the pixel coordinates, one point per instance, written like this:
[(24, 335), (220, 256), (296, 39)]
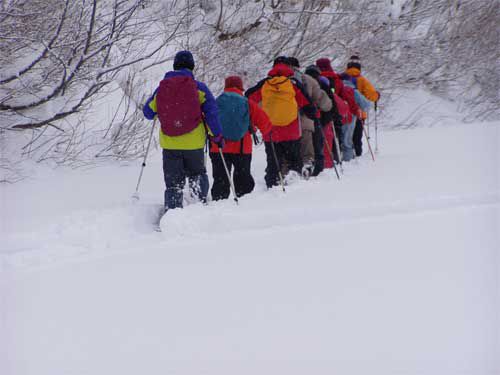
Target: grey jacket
[(318, 96)]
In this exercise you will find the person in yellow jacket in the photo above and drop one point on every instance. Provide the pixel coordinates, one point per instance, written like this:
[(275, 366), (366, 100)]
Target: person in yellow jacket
[(364, 86)]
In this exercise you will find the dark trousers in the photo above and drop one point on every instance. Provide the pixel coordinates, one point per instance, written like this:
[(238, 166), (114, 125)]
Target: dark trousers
[(319, 156), (287, 152), (242, 178), (179, 164), (357, 137)]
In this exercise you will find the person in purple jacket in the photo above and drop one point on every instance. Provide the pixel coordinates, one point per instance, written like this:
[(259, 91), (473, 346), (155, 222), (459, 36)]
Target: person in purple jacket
[(188, 114)]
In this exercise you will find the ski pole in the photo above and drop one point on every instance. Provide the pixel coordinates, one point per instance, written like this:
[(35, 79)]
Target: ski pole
[(136, 194), (228, 175), (330, 152), (277, 165), (337, 146), (376, 129), (367, 122), (368, 142)]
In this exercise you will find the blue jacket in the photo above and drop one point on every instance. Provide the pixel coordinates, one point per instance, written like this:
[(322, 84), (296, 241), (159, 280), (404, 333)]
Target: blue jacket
[(360, 99)]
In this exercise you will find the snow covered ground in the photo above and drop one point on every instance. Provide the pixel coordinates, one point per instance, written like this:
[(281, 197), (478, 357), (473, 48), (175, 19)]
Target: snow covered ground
[(392, 270)]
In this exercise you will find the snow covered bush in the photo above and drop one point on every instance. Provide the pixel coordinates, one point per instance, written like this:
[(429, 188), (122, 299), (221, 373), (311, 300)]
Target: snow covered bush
[(59, 57)]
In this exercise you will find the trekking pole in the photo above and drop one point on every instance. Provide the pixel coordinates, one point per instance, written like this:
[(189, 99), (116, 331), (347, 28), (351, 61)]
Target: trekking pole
[(205, 157), (368, 142), (135, 196), (277, 165), (337, 145), (228, 175), (330, 152), (367, 125), (376, 130)]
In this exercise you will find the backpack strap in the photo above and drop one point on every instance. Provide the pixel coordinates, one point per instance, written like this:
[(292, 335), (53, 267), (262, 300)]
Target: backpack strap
[(302, 89), (257, 87)]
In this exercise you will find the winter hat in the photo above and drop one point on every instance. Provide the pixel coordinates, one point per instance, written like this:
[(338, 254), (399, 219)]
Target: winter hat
[(233, 81), (183, 59), (292, 61), (324, 64), (313, 71), (281, 60), (354, 62)]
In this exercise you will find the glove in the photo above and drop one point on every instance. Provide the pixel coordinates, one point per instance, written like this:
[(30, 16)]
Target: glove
[(218, 140)]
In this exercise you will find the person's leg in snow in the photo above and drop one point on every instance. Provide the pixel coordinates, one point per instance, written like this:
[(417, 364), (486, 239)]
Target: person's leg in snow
[(271, 176), (357, 137), (194, 165), (220, 187), (307, 152), (243, 180), (319, 158), (291, 151), (175, 178), (347, 145)]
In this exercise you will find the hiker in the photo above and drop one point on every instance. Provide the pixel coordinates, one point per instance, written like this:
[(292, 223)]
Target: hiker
[(239, 118), (325, 120), (345, 93), (323, 104), (353, 74), (347, 146), (183, 106), (282, 98)]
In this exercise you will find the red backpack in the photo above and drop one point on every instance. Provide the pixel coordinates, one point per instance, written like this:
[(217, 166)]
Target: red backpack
[(343, 109), (178, 105)]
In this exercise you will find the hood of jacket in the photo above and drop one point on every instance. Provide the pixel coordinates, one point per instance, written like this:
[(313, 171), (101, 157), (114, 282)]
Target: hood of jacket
[(233, 90), (281, 70), (330, 74), (178, 73), (353, 72)]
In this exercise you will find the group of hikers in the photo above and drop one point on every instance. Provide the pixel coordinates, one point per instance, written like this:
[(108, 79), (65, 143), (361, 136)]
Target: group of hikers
[(308, 120)]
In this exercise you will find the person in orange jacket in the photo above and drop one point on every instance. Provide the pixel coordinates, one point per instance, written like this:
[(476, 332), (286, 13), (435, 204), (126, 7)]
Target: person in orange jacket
[(236, 110), (364, 86)]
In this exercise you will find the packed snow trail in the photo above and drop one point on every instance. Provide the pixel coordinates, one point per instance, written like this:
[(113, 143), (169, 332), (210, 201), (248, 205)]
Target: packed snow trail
[(392, 270)]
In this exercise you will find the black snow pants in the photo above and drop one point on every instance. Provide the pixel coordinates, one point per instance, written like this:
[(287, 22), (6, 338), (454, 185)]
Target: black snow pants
[(242, 177)]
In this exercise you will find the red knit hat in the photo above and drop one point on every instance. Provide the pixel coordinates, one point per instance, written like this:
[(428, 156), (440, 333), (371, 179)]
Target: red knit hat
[(324, 64), (233, 81)]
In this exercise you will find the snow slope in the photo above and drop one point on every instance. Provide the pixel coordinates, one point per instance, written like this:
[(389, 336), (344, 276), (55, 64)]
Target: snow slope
[(392, 270)]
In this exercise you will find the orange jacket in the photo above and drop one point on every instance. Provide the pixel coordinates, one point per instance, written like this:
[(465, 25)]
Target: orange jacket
[(258, 118), (363, 85)]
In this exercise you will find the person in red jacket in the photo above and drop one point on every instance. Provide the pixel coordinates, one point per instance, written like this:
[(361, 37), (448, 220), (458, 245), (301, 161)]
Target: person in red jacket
[(284, 114), (345, 92), (237, 153)]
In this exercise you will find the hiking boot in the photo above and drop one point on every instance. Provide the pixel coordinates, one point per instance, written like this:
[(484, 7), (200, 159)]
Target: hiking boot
[(307, 171)]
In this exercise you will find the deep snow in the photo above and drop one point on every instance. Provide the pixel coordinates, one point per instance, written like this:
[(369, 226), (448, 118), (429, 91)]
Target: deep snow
[(392, 270)]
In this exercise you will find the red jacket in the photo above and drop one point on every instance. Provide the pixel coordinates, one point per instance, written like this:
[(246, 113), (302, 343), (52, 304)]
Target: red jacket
[(291, 132), (258, 118), (345, 92)]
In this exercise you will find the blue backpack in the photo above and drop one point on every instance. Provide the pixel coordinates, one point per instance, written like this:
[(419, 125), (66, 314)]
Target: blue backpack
[(234, 115)]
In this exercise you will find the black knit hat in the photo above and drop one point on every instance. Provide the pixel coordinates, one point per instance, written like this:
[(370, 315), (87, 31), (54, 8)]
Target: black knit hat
[(184, 59), (281, 60), (313, 71), (292, 61), (354, 62)]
